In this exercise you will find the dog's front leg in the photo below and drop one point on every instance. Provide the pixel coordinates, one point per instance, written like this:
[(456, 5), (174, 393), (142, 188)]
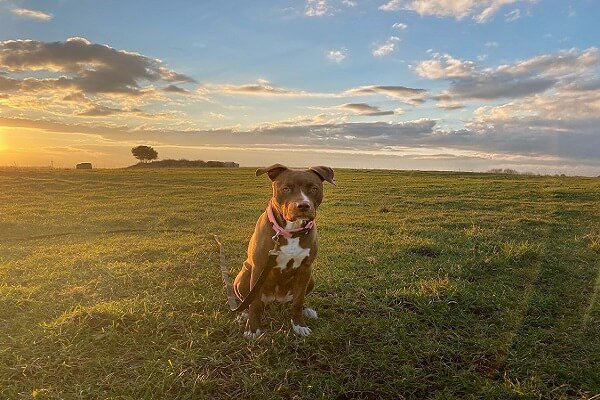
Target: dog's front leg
[(301, 281), (254, 317)]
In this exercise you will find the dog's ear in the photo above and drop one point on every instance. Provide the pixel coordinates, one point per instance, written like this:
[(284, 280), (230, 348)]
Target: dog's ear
[(272, 171), (325, 173)]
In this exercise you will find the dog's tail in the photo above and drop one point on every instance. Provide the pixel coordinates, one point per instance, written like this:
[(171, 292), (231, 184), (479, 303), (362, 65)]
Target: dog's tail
[(231, 299)]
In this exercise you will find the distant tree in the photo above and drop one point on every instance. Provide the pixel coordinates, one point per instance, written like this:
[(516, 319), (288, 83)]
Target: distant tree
[(144, 153)]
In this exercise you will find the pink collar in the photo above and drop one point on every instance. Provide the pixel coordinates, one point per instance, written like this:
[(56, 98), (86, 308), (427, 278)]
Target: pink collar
[(286, 233)]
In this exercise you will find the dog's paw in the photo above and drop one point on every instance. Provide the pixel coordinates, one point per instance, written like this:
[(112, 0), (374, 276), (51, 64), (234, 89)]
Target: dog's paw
[(252, 335), (242, 317), (301, 330), (309, 313)]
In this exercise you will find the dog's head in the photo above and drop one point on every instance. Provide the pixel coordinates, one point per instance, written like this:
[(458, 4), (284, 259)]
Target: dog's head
[(297, 193)]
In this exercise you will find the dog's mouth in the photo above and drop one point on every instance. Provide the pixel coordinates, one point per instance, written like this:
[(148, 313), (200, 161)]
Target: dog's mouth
[(300, 218)]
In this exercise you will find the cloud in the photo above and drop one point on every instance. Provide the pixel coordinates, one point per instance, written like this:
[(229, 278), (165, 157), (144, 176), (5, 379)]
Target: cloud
[(102, 111), (216, 115), (526, 146), (349, 3), (265, 88), (563, 63), (386, 48), (316, 8), (446, 105), (498, 87), (522, 78), (565, 109), (551, 116), (84, 66), (336, 56), (76, 97), (261, 88), (175, 89), (410, 95), (302, 131), (33, 14), (513, 15), (399, 25), (491, 44), (480, 10), (445, 66), (365, 109), (300, 120), (78, 78)]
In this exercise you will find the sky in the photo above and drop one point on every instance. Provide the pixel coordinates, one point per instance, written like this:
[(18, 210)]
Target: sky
[(465, 85)]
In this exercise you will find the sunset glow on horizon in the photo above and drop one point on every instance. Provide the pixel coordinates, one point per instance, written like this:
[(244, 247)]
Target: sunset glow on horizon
[(420, 84), (3, 145)]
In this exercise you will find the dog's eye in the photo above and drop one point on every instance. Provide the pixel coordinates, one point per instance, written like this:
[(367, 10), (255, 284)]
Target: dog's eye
[(314, 189), (285, 189)]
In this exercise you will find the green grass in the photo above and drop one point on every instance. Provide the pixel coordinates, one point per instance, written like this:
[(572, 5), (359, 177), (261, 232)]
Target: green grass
[(429, 286)]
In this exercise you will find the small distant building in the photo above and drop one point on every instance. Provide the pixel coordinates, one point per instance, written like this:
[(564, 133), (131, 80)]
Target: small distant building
[(84, 165)]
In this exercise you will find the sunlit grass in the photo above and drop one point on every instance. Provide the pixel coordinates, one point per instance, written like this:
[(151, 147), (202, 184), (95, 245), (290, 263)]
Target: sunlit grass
[(429, 285)]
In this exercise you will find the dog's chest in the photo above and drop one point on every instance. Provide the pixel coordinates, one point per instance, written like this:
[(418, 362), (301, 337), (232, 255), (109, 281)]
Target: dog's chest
[(291, 254)]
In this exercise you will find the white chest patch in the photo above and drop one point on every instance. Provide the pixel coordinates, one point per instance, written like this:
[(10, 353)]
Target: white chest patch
[(291, 251)]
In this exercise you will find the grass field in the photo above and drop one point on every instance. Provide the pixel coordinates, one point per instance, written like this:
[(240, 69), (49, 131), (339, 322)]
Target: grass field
[(429, 286)]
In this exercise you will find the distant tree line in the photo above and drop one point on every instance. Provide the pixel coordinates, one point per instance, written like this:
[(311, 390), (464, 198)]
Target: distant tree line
[(186, 164), (507, 171), (146, 155)]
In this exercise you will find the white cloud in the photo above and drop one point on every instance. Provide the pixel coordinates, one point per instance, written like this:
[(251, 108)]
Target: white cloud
[(513, 15), (444, 66), (365, 109), (408, 95), (316, 8), (261, 88), (349, 3), (400, 25), (480, 10), (33, 14), (547, 76), (386, 48), (216, 115), (337, 56), (559, 122), (491, 44)]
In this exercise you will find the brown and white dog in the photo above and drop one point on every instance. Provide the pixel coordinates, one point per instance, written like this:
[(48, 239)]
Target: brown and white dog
[(296, 196)]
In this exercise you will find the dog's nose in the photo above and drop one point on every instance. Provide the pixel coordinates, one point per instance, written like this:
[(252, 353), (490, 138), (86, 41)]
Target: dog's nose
[(303, 205)]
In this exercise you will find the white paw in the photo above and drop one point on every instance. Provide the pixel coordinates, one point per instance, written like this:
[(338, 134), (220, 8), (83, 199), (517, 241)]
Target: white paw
[(309, 313), (242, 317), (301, 330), (252, 335)]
